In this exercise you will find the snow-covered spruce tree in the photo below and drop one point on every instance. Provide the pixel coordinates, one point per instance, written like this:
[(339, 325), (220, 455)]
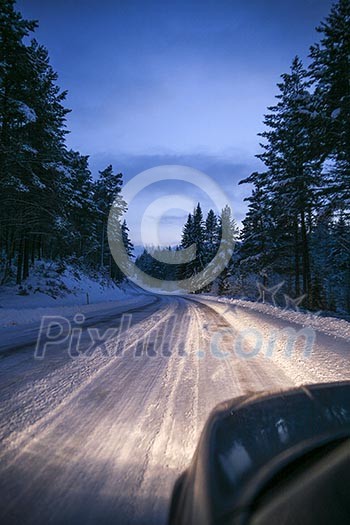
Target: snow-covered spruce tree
[(32, 118), (129, 247), (50, 206), (49, 161), (160, 263), (184, 270), (115, 272), (321, 245), (144, 262), (187, 232), (78, 235), (198, 239), (193, 233), (330, 74), (15, 71), (211, 235), (257, 250), (228, 235), (211, 244), (15, 117), (340, 262), (294, 171), (107, 193)]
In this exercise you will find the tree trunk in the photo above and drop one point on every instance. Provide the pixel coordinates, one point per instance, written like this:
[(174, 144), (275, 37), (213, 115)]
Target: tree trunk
[(296, 256), (39, 247), (305, 258), (102, 246), (19, 262), (25, 257), (32, 249), (348, 290)]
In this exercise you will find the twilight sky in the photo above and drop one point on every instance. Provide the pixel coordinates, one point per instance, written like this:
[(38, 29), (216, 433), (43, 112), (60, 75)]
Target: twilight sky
[(173, 82)]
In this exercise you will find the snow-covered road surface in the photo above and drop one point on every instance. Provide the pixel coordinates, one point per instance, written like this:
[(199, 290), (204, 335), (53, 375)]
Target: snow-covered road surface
[(102, 440)]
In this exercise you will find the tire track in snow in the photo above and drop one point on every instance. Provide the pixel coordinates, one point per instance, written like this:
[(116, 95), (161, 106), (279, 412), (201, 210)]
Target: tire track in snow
[(169, 442), (74, 377), (253, 374), (111, 449)]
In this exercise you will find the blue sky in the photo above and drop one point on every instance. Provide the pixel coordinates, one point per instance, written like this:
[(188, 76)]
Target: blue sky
[(173, 82)]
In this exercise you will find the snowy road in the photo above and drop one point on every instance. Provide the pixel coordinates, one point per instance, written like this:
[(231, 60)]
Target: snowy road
[(102, 439)]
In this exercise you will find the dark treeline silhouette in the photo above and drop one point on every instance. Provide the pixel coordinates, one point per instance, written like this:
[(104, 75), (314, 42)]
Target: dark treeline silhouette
[(205, 237), (297, 225), (51, 207)]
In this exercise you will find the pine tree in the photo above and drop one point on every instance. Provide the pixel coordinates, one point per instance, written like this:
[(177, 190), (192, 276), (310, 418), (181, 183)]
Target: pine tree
[(78, 233), (15, 117), (50, 206), (144, 262), (256, 252), (211, 235), (229, 233), (340, 257), (228, 223), (211, 229), (330, 73), (107, 194), (198, 239), (15, 71), (32, 118), (193, 235), (184, 270), (187, 233), (115, 272), (129, 247), (294, 169)]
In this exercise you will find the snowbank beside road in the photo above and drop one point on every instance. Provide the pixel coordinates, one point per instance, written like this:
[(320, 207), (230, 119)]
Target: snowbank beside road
[(51, 291), (24, 316), (328, 325)]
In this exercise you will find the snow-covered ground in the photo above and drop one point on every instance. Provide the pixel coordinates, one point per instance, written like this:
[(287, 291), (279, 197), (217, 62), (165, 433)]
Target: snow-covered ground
[(102, 439), (319, 346), (328, 325), (51, 292)]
